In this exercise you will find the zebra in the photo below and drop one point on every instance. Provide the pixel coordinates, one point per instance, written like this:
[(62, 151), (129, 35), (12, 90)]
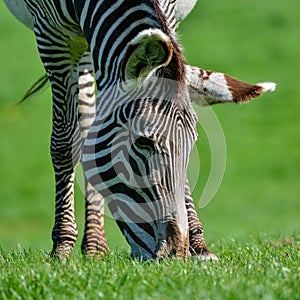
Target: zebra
[(132, 49)]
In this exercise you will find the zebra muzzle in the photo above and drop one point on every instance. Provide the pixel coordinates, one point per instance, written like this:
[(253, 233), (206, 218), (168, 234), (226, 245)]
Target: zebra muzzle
[(175, 244)]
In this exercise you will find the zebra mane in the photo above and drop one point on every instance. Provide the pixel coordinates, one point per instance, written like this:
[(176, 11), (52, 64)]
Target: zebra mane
[(175, 70)]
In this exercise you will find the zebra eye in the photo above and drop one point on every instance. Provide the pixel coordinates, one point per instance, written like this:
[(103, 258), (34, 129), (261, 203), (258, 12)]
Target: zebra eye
[(145, 143)]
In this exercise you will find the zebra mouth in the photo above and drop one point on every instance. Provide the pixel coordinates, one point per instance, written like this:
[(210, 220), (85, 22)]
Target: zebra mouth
[(162, 250), (175, 244), (165, 248)]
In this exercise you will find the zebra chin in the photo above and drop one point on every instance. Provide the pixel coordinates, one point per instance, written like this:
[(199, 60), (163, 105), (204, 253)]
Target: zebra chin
[(173, 244)]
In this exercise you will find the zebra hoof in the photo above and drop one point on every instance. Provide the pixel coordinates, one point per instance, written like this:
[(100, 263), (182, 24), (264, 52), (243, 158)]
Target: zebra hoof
[(61, 252), (206, 257), (98, 253), (202, 253)]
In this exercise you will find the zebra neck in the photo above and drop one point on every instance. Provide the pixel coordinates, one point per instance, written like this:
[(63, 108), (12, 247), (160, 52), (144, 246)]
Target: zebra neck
[(108, 27)]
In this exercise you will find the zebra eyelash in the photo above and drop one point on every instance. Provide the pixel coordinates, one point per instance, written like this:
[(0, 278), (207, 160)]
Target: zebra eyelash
[(145, 143)]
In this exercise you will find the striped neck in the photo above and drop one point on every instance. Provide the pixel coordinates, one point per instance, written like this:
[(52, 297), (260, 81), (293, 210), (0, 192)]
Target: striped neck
[(110, 26)]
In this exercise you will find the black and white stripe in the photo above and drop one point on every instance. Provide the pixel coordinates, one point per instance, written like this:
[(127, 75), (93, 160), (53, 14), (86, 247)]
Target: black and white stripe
[(138, 139)]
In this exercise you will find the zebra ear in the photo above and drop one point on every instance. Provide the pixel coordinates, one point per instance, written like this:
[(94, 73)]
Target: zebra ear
[(149, 50), (210, 87)]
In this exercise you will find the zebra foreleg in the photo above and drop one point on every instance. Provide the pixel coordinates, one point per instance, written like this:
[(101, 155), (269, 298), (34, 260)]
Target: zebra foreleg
[(64, 233), (66, 143), (198, 246), (61, 46), (94, 239)]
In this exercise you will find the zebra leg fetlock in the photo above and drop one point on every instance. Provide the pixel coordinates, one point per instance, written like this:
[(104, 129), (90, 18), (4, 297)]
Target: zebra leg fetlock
[(198, 247), (94, 239), (63, 241)]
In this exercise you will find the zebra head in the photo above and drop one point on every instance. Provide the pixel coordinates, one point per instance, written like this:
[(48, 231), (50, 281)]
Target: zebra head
[(138, 148)]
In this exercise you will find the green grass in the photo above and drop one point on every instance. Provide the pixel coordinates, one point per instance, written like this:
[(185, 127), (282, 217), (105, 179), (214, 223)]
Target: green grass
[(257, 269), (252, 223)]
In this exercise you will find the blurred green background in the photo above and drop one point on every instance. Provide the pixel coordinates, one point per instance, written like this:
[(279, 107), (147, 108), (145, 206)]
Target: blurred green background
[(254, 41)]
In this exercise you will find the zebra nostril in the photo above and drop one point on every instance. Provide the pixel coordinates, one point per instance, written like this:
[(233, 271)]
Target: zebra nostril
[(175, 243), (161, 250)]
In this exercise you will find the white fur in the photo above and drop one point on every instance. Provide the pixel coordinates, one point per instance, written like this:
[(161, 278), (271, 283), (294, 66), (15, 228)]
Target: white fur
[(210, 257), (217, 87), (150, 33), (267, 86)]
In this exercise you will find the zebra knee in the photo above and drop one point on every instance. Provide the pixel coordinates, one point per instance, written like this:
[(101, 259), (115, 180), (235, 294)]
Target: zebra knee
[(66, 154)]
